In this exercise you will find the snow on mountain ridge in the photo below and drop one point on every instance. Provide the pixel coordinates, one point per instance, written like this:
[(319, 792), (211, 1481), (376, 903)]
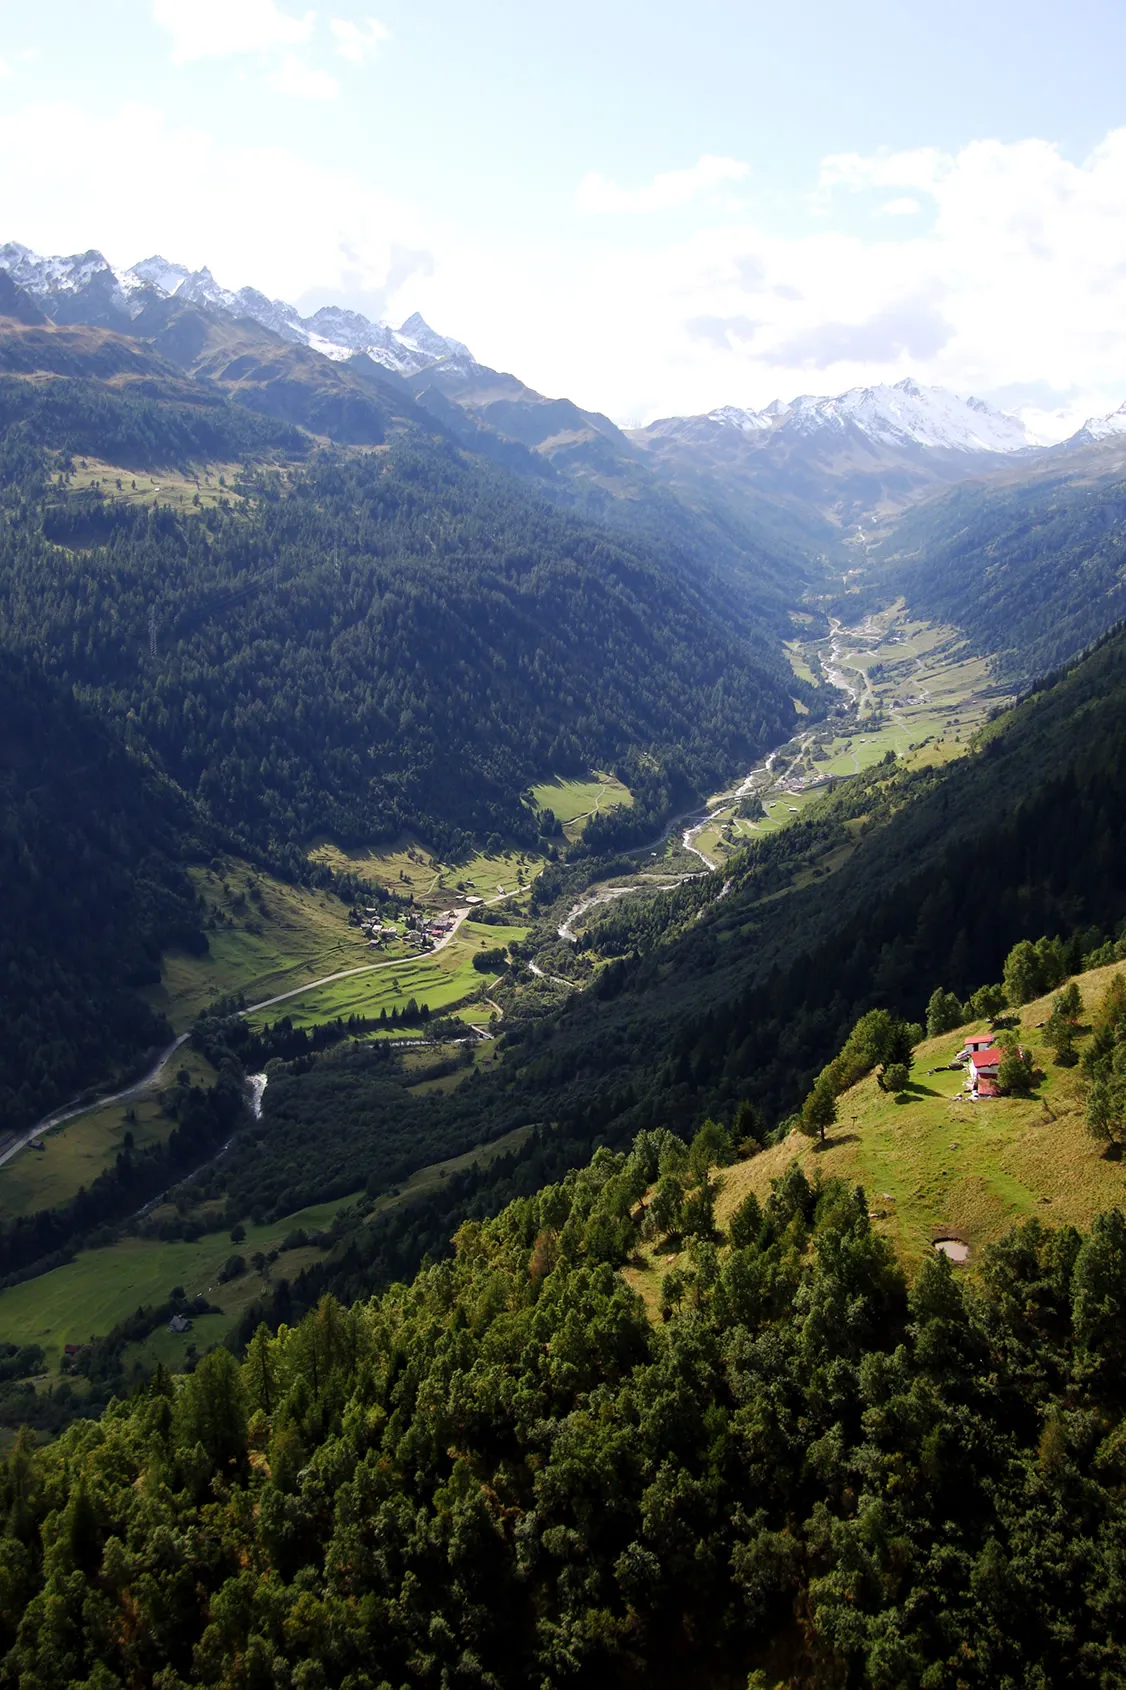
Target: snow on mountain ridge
[(904, 415), (336, 332), (1099, 428)]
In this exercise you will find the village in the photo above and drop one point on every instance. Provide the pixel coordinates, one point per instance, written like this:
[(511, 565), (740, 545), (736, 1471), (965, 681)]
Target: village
[(419, 930)]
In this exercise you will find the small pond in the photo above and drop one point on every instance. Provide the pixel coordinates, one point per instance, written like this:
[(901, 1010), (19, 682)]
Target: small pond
[(954, 1248)]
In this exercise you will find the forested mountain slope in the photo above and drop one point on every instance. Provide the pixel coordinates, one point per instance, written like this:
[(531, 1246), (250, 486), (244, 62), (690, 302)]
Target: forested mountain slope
[(584, 461), (1030, 566), (504, 1474), (577, 458), (390, 636), (92, 845), (385, 639)]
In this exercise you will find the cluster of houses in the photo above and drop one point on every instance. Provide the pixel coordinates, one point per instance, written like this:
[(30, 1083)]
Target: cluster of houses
[(376, 930), (422, 930), (419, 928), (984, 1059)]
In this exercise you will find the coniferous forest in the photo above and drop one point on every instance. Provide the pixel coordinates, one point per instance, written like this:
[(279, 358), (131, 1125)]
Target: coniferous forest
[(506, 1473)]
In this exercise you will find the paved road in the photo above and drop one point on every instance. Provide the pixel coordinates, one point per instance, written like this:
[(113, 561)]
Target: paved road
[(73, 1110)]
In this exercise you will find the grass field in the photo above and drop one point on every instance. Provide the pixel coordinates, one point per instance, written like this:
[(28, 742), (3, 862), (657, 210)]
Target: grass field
[(76, 1153), (183, 489), (935, 1163), (409, 868), (575, 802), (87, 1297), (441, 979), (798, 661), (278, 936)]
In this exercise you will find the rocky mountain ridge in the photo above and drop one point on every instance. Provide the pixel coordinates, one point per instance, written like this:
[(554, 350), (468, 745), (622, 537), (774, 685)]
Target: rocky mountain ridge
[(72, 288)]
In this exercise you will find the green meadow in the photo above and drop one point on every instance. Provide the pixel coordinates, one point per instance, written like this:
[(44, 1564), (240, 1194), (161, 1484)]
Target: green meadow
[(268, 937), (74, 1154), (575, 802), (442, 979), (87, 1297)]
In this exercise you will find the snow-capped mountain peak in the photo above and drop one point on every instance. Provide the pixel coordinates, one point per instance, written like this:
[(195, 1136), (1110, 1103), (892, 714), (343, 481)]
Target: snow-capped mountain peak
[(1100, 428), (905, 416), (748, 422), (52, 275), (911, 415), (333, 330), (416, 332), (155, 272)]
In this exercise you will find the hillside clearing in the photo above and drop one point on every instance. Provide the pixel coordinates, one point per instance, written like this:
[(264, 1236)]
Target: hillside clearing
[(935, 1164), (575, 802)]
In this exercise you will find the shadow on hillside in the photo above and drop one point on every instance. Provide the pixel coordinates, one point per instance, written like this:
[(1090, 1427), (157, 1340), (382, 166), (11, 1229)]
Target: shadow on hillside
[(838, 1138)]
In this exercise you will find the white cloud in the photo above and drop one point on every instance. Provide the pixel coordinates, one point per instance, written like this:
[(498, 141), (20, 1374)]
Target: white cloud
[(5, 67), (217, 29), (906, 206), (1013, 284), (298, 81), (666, 192), (311, 229), (358, 43)]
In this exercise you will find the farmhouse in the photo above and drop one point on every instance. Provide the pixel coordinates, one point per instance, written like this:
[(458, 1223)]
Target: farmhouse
[(984, 1067), (179, 1323)]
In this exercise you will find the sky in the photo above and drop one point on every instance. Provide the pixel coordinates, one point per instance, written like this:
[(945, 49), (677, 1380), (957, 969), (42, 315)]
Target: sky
[(650, 208)]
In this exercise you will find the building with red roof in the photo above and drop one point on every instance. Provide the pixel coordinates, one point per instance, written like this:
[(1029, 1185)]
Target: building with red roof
[(984, 1068)]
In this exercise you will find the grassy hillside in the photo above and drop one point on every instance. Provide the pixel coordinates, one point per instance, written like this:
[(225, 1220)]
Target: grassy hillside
[(935, 1164), (74, 1154), (265, 936)]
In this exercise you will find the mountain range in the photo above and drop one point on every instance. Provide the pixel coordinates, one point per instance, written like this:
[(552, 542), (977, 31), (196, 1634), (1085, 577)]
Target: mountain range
[(85, 287), (801, 477)]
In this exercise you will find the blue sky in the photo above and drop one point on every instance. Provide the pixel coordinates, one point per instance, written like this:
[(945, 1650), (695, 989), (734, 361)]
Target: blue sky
[(651, 208)]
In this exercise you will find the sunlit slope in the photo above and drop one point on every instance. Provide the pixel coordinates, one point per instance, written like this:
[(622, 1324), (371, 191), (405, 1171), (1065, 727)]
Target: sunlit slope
[(933, 1163)]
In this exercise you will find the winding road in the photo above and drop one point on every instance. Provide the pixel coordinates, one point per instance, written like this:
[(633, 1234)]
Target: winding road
[(152, 1075)]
